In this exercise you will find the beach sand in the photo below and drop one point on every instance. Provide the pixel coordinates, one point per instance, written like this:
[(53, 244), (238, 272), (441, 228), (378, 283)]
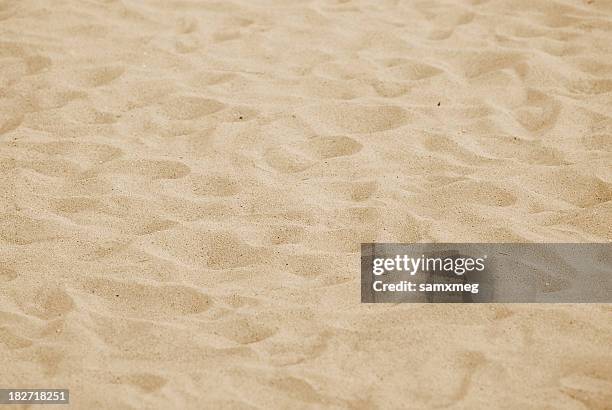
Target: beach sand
[(186, 185)]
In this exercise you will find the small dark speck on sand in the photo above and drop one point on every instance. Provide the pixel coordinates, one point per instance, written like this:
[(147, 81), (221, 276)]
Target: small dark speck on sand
[(241, 117), (438, 103)]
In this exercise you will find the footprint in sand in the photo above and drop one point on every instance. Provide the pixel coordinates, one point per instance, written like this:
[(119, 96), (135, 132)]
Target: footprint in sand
[(539, 111), (358, 118), (22, 230), (146, 382), (7, 274), (153, 169), (139, 299), (98, 76), (331, 147), (244, 330), (189, 107), (12, 341), (405, 69), (48, 303), (214, 185)]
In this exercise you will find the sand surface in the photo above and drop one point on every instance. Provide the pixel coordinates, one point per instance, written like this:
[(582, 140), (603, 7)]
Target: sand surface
[(185, 185)]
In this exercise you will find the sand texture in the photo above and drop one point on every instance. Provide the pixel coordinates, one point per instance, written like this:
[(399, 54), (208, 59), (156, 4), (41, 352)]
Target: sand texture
[(185, 185)]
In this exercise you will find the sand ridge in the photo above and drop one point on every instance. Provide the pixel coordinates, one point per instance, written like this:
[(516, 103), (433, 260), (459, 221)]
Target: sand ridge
[(186, 185)]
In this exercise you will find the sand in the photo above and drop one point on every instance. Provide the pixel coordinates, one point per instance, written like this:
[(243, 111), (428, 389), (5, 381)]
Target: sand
[(186, 185)]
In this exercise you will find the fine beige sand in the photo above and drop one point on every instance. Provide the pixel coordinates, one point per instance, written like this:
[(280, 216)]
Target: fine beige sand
[(185, 185)]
